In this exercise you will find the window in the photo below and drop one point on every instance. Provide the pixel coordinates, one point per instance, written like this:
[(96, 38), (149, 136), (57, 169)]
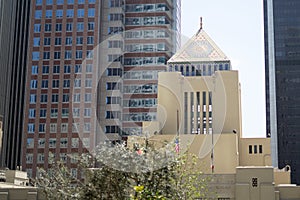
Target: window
[(112, 100), (34, 69), (91, 1), (33, 84), (255, 149), (55, 83), (89, 68), (112, 86), (56, 69), (30, 143), (39, 2), (112, 115), (58, 27), (115, 17), (76, 113), (70, 1), (90, 40), (52, 142), (64, 127), (76, 97), (115, 3), (63, 142), (91, 12), (43, 113), (77, 83), (80, 13), (38, 14), (250, 149), (88, 97), (70, 13), (74, 172), (88, 83), (67, 69), (44, 84), (45, 70), (68, 40), (79, 40), (54, 113), (30, 128), (59, 2), (75, 142), (87, 127), (32, 98), (113, 72), (54, 98), (78, 54), (44, 98), (59, 13), (81, 1), (47, 27), (65, 98), (65, 112), (111, 129), (80, 27), (89, 54), (115, 30), (56, 55), (42, 128), (47, 41), (32, 113), (49, 2), (48, 13), (29, 158), (260, 149), (68, 54), (35, 55), (69, 27), (53, 128), (46, 55), (66, 84), (115, 44), (36, 41), (86, 142), (87, 112), (37, 28), (41, 143), (91, 26), (77, 68)]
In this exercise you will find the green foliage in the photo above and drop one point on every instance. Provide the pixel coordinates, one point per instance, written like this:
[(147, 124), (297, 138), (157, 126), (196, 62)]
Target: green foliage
[(120, 173)]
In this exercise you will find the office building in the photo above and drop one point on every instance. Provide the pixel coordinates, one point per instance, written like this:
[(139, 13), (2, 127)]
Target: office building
[(14, 25), (282, 61), (92, 73)]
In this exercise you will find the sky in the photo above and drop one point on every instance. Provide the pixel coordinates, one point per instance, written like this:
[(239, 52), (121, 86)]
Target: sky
[(237, 28)]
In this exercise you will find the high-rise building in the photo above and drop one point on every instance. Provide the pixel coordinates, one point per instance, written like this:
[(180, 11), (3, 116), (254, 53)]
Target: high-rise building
[(92, 73), (14, 21), (282, 67)]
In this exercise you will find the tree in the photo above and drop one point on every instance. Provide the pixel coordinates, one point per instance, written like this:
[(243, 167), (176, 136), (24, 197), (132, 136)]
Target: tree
[(121, 173)]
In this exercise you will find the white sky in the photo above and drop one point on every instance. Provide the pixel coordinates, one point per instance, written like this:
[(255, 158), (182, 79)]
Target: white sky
[(236, 26)]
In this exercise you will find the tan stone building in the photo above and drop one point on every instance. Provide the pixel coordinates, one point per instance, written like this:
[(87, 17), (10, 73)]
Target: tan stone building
[(202, 108)]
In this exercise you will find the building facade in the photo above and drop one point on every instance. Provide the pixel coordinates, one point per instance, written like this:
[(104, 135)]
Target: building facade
[(14, 30), (92, 73), (282, 60)]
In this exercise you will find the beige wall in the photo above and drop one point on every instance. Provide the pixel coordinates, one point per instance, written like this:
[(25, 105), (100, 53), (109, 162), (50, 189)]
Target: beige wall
[(226, 110)]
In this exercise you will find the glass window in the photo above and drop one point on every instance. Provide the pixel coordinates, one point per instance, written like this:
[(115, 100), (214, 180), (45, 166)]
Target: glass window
[(64, 127), (32, 98), (91, 12), (80, 13), (66, 98), (30, 128), (89, 54), (44, 98), (250, 149), (35, 55), (53, 128), (91, 26), (47, 41), (88, 83), (54, 113), (46, 55), (54, 98), (255, 149), (70, 13), (260, 149), (80, 27), (55, 83), (38, 14), (79, 40), (78, 54), (77, 68), (59, 13), (56, 55), (91, 1), (67, 69), (75, 142), (58, 27), (45, 70), (56, 69), (42, 128), (90, 40), (57, 41), (88, 97), (66, 83), (81, 1), (41, 143), (59, 2), (36, 41), (65, 112), (49, 2), (68, 40), (48, 13), (47, 27), (37, 28), (89, 68), (44, 84), (68, 54), (39, 2), (43, 113), (31, 113), (70, 1), (69, 27)]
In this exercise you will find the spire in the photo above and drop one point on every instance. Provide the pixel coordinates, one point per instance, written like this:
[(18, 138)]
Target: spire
[(201, 24)]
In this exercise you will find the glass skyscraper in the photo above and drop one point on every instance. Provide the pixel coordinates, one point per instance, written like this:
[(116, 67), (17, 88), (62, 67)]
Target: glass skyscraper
[(282, 67)]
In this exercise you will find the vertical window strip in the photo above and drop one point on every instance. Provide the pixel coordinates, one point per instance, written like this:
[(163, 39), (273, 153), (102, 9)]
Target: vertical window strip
[(185, 112)]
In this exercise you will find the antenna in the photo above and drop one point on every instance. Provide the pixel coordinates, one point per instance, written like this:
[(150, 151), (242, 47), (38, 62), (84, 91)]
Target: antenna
[(201, 24)]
